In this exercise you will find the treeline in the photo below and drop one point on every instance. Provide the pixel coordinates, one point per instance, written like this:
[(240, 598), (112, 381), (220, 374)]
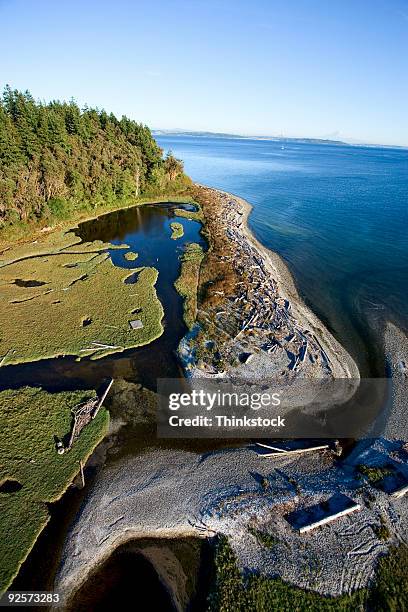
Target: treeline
[(56, 158)]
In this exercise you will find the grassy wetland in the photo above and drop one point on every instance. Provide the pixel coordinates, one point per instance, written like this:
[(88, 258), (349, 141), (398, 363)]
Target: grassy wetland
[(193, 215), (130, 256), (88, 302), (177, 230), (65, 296), (188, 281), (91, 292), (32, 473)]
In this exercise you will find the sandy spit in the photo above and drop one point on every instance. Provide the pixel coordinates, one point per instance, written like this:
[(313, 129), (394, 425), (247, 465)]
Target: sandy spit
[(343, 365)]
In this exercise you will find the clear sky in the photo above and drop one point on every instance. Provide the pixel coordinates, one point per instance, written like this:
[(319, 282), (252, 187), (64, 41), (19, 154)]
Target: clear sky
[(312, 68)]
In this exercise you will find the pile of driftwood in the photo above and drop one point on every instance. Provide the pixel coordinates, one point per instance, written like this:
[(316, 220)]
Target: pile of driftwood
[(83, 413), (257, 317)]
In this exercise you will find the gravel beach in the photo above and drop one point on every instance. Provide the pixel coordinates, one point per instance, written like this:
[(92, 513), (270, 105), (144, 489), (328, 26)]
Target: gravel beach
[(257, 325)]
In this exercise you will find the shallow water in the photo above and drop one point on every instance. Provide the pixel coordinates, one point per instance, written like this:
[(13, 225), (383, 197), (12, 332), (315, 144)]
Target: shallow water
[(146, 230), (337, 214)]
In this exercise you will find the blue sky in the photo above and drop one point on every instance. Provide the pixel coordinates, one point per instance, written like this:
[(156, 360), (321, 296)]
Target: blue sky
[(312, 68)]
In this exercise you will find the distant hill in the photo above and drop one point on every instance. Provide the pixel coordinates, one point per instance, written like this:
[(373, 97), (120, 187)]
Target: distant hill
[(242, 137)]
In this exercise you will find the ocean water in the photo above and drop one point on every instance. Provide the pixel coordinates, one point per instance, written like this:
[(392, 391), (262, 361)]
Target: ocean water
[(337, 214)]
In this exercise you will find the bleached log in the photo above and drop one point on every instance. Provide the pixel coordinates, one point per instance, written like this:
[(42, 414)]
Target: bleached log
[(295, 451), (329, 519), (400, 492), (102, 399)]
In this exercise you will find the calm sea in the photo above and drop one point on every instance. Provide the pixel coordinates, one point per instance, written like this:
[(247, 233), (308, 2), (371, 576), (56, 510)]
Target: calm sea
[(337, 214)]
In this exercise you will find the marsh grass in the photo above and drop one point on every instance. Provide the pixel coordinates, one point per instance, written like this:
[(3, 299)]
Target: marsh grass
[(264, 538), (177, 230), (187, 282), (131, 256), (80, 283), (390, 589), (192, 215), (30, 422)]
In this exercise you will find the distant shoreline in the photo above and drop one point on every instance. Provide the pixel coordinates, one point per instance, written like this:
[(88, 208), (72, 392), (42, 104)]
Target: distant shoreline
[(287, 139)]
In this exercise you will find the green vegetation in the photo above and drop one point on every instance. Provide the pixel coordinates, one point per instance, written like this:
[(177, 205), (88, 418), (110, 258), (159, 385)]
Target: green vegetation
[(177, 230), (30, 419), (89, 306), (265, 539), (374, 474), (382, 530), (57, 160), (235, 593), (193, 215), (390, 590), (130, 256), (187, 282)]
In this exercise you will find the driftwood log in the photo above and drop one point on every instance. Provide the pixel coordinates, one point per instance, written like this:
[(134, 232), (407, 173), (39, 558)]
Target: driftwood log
[(84, 413)]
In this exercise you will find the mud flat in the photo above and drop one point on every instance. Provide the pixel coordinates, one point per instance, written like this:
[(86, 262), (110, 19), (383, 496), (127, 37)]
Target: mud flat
[(251, 320)]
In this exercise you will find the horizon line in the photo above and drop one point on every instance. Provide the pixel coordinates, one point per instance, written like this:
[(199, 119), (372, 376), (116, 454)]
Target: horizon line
[(349, 142)]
